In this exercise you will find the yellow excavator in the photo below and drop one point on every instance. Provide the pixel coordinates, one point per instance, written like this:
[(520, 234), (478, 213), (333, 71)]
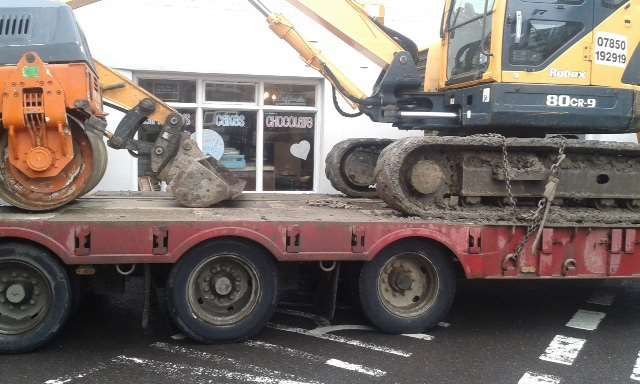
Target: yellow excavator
[(504, 75), (51, 135)]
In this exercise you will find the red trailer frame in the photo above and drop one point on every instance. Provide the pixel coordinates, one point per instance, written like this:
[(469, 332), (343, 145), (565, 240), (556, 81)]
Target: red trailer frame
[(136, 229)]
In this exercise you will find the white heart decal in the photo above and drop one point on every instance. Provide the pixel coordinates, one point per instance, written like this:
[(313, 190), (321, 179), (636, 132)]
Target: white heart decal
[(301, 150)]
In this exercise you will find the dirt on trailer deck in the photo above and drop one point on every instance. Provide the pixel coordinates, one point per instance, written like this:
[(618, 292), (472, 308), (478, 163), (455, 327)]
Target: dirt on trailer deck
[(160, 207)]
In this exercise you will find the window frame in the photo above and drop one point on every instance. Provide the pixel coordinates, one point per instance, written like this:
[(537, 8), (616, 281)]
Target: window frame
[(490, 10), (253, 83), (201, 105)]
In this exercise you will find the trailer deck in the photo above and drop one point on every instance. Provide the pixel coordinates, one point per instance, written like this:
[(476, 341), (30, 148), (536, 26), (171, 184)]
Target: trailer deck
[(126, 228)]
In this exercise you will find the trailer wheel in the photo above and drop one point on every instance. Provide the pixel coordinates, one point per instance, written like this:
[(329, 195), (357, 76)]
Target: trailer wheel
[(35, 297), (223, 291), (408, 288)]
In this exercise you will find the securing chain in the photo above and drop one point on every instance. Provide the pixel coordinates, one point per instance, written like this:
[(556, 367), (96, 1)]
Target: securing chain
[(539, 216)]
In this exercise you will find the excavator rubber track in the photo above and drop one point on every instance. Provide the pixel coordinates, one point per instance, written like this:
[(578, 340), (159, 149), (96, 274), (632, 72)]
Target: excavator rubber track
[(416, 174), (350, 166)]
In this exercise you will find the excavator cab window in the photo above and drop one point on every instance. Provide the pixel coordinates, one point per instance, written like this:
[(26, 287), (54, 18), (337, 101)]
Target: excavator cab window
[(538, 31), (466, 53)]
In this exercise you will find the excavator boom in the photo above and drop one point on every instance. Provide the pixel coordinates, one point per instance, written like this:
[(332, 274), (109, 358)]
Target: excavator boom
[(350, 22)]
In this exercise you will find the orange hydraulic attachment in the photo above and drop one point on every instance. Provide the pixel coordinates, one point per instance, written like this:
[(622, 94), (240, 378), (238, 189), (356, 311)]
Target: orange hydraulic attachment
[(34, 104)]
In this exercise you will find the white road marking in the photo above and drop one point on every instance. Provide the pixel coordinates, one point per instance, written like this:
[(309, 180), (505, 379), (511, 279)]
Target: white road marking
[(316, 358), (604, 298), (586, 320), (419, 336), (444, 324), (198, 375), (538, 378), (238, 365), (344, 340), (636, 370), (356, 327), (563, 350), (355, 367), (319, 320), (81, 374), (337, 328)]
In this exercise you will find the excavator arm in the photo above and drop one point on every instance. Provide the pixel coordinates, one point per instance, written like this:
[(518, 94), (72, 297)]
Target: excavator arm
[(396, 54), (347, 20)]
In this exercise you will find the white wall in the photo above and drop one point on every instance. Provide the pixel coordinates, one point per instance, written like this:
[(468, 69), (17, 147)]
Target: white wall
[(122, 171), (230, 37)]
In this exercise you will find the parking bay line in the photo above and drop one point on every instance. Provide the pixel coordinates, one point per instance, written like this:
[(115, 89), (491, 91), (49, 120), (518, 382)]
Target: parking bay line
[(563, 350), (343, 340), (179, 372), (586, 320), (538, 378), (198, 375), (355, 327), (316, 358), (209, 357), (66, 379), (635, 375)]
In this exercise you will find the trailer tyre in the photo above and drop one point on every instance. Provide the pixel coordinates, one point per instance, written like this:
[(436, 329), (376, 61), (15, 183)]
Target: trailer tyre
[(408, 288), (223, 291), (35, 297)]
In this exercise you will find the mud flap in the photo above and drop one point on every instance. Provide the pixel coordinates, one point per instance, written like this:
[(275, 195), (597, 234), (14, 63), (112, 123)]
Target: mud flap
[(326, 293), (198, 181)]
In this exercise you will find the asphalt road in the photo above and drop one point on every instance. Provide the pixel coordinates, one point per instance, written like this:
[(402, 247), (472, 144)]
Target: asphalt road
[(497, 332)]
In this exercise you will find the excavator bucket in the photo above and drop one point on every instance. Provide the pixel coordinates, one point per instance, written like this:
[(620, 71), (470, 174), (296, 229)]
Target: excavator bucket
[(197, 180)]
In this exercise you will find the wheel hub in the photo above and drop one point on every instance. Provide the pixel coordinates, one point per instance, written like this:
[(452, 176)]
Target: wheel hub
[(16, 293), (408, 285), (223, 286), (400, 281), (24, 297), (223, 291), (40, 159)]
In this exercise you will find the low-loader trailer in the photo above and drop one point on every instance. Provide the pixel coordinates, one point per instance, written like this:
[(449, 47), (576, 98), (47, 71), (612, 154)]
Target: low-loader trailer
[(223, 268)]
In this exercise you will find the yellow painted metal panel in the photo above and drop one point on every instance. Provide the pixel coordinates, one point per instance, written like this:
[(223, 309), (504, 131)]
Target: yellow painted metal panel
[(120, 91), (624, 24), (282, 27), (350, 22)]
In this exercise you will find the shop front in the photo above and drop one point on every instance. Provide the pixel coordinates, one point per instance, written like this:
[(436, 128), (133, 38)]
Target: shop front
[(263, 130)]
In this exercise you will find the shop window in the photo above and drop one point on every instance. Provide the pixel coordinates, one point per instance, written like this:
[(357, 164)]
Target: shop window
[(288, 151), (230, 92), (290, 95), (171, 91), (230, 138)]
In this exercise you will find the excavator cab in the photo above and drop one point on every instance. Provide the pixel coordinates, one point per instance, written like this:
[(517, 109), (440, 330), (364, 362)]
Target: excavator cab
[(575, 58)]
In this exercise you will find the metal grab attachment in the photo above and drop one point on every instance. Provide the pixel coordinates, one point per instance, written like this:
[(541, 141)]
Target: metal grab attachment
[(198, 181)]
